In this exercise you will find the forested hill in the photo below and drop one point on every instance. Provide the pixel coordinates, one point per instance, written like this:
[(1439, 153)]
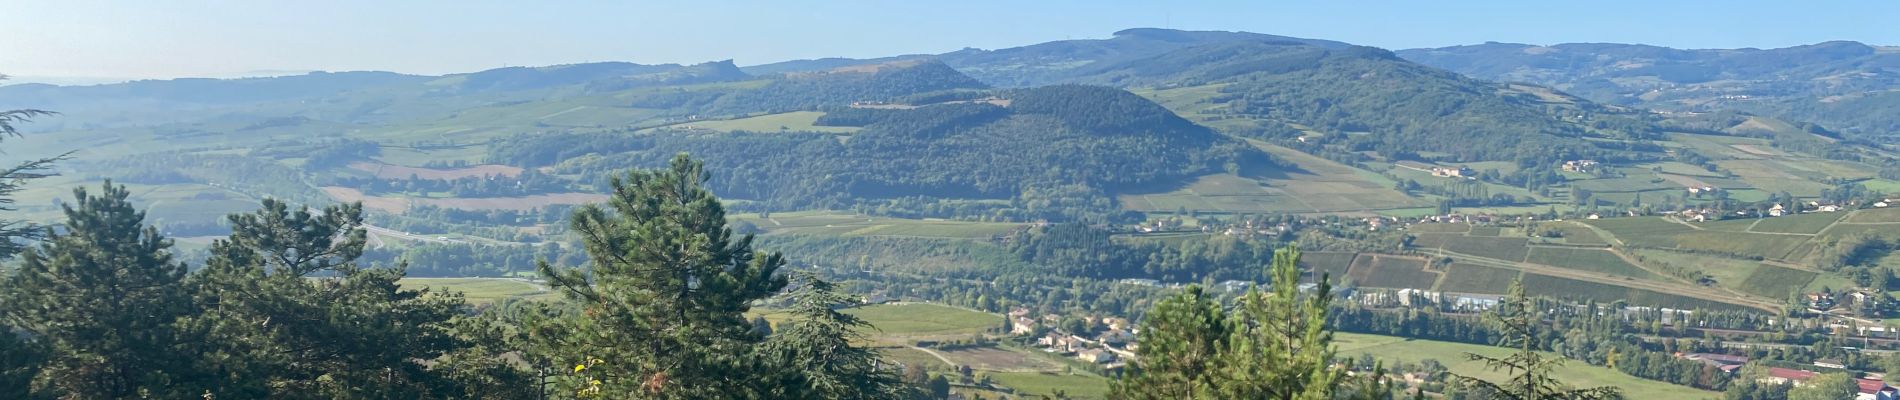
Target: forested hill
[(1373, 100), (1844, 85), (1053, 152), (597, 76), (1058, 61)]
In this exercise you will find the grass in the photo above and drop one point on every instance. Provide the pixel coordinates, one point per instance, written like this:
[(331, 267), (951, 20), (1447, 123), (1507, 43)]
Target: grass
[(478, 291), (796, 121), (1467, 278), (1803, 223), (1434, 227), (1602, 261), (1545, 285), (1334, 265), (1659, 232), (1075, 386), (842, 224), (1392, 272), (1730, 272), (1502, 248), (1314, 185), (1452, 355), (1877, 215), (1578, 234), (1776, 282), (923, 319), (910, 356)]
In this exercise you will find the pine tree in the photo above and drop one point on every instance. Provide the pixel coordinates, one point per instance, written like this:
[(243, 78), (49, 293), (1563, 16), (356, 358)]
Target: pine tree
[(1274, 345), (816, 356), (20, 357), (286, 312), (1180, 349), (101, 295), (1279, 346), (1529, 370), (660, 313)]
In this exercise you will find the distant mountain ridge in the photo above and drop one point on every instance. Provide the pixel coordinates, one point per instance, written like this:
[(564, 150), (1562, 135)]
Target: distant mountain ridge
[(1846, 85), (1057, 61)]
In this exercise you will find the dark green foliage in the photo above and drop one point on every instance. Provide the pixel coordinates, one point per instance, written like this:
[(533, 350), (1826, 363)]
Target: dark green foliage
[(1271, 345), (335, 329), (1530, 372), (1179, 351), (1782, 82), (812, 90), (815, 354), (1082, 251), (1058, 152), (1406, 107), (661, 311), (101, 295)]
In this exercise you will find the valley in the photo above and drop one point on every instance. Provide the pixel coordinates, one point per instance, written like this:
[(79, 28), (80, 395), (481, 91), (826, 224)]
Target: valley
[(992, 207)]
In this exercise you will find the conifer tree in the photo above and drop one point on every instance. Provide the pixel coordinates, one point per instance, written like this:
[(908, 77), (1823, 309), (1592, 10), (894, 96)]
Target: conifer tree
[(20, 357), (1280, 347), (660, 313), (101, 295), (1180, 349), (285, 311), (817, 357), (1530, 371)]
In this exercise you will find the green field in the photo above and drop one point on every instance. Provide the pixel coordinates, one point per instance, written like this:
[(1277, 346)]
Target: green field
[(796, 121), (1577, 234), (1502, 248), (1436, 227), (1878, 215), (1723, 236), (1467, 278), (924, 319), (1776, 282), (1602, 261), (479, 291), (1803, 223), (1391, 272), (1452, 355), (842, 224), (1545, 285), (1075, 386), (1336, 266), (1729, 272), (1314, 185)]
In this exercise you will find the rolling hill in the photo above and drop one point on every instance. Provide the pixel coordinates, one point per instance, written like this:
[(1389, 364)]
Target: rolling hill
[(1848, 86)]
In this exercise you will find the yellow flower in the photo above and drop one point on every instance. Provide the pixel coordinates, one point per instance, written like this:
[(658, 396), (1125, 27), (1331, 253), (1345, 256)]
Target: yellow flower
[(579, 367)]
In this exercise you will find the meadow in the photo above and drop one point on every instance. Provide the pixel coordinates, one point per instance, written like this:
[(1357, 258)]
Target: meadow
[(1314, 185), (480, 291), (843, 224), (796, 121), (1452, 355), (1600, 261), (1392, 272), (1467, 278)]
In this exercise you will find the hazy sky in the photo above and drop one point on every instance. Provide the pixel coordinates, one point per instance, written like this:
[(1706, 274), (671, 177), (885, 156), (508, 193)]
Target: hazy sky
[(171, 38)]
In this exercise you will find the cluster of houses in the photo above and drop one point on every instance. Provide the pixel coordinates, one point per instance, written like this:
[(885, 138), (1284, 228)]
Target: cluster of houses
[(1111, 347), (1777, 210), (1872, 387), (1580, 165)]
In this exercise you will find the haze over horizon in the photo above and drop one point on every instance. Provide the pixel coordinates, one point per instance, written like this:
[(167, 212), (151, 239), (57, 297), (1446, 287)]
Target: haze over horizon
[(93, 41)]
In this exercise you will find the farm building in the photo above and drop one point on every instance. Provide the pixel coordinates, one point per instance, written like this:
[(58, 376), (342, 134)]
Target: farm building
[(1778, 375)]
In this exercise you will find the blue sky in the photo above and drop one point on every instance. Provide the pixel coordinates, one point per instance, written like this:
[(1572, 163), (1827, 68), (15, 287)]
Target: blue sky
[(172, 38)]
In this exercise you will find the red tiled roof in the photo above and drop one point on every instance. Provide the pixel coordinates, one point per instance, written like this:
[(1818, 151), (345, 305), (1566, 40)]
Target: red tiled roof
[(1871, 385), (1791, 374)]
